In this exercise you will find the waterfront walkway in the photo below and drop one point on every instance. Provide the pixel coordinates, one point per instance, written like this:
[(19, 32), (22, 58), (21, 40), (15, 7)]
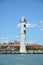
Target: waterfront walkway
[(17, 52)]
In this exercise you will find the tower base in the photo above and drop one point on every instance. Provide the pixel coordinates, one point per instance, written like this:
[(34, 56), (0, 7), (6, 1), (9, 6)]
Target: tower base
[(23, 51)]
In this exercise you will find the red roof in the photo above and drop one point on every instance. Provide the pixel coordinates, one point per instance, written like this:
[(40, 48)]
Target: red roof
[(14, 44), (18, 44), (34, 44)]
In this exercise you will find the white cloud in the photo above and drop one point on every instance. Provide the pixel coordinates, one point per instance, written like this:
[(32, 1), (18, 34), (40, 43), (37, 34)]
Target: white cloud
[(4, 39), (28, 25), (18, 25), (41, 21), (31, 25), (31, 41), (17, 36), (41, 25), (41, 29)]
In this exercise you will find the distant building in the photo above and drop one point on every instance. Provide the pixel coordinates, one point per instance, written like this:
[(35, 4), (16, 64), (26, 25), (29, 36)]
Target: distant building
[(16, 44)]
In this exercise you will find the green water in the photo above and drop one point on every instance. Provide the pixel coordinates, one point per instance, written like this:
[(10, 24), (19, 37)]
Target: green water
[(21, 59)]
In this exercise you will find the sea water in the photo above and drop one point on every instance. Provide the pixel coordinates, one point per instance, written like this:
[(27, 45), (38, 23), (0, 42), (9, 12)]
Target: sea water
[(21, 59)]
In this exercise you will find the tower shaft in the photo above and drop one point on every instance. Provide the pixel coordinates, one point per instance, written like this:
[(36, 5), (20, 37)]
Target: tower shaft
[(23, 35)]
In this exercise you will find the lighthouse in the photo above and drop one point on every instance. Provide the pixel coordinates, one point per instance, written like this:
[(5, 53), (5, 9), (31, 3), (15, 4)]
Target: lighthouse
[(23, 35)]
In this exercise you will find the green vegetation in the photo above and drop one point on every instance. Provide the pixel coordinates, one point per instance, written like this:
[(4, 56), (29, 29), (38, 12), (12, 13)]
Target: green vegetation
[(10, 43), (33, 48), (17, 48), (3, 47)]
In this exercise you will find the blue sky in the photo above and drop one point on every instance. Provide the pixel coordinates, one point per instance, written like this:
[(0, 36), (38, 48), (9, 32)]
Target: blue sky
[(10, 14)]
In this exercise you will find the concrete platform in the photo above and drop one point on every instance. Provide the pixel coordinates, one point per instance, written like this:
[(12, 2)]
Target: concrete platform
[(21, 53)]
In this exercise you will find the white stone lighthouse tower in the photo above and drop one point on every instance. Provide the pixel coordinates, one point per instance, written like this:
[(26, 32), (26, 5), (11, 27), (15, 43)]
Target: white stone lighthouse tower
[(22, 35)]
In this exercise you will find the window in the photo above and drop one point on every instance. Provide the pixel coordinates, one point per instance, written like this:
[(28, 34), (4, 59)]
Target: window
[(24, 25), (24, 31)]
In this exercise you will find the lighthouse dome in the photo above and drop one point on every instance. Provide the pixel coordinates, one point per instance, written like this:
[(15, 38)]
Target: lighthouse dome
[(23, 19)]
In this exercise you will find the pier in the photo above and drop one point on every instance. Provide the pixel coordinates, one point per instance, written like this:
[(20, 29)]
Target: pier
[(18, 52)]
